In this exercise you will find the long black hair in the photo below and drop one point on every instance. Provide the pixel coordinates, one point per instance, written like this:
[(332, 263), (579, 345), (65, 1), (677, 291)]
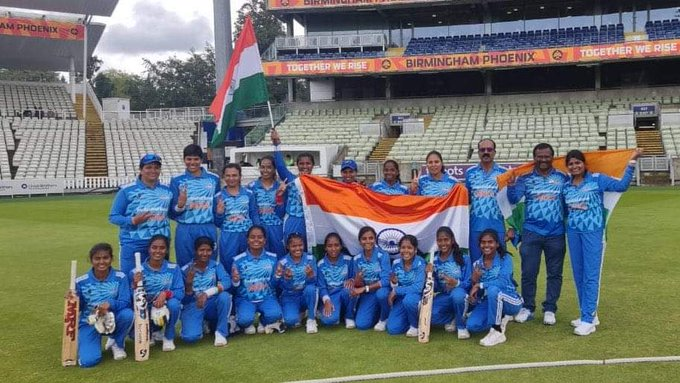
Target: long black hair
[(343, 249), (455, 248)]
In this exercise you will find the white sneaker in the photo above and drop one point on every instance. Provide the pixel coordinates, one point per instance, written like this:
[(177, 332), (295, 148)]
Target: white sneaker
[(109, 342), (412, 332), (350, 324), (585, 329), (504, 322), (168, 344), (463, 333), (260, 328), (549, 318), (311, 327), (380, 326), (493, 338), (577, 322), (451, 326), (524, 315), (118, 353), (250, 330), (276, 326), (233, 327), (220, 340)]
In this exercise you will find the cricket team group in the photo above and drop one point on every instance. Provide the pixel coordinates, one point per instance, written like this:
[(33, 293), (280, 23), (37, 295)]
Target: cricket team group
[(259, 276)]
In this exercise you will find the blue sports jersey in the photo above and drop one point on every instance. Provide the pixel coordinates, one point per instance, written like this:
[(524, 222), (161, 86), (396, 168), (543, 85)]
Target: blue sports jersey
[(450, 268), (167, 278), (544, 205), (499, 274), (114, 289), (240, 211), (201, 191), (270, 213), (383, 187), (332, 276), (258, 275), (429, 186), (409, 281), (137, 198), (206, 279), (299, 281), (293, 198), (585, 201), (482, 188), (377, 269)]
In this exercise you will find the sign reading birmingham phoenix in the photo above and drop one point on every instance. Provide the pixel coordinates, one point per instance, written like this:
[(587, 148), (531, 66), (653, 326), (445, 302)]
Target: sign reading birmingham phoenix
[(46, 29)]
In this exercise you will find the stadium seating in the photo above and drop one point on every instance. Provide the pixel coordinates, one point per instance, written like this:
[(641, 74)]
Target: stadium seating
[(549, 38), (6, 145), (662, 30), (670, 133), (329, 56), (51, 98)]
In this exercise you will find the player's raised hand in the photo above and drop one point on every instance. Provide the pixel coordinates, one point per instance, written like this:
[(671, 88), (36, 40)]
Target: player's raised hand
[(141, 218), (328, 308), (137, 278), (160, 300), (359, 279), (636, 154), (220, 205), (413, 189), (190, 276), (476, 274), (309, 272), (182, 198), (235, 276), (276, 139), (393, 278), (513, 177), (288, 274)]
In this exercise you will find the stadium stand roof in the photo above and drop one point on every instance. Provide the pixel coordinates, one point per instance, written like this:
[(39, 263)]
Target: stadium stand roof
[(80, 7)]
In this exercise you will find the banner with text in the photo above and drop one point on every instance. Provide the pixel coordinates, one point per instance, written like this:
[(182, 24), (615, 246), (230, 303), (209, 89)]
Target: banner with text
[(46, 29), (477, 60), (277, 5), (31, 187)]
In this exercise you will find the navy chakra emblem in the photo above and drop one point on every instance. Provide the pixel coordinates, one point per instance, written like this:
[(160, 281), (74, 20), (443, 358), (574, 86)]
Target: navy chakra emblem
[(388, 240)]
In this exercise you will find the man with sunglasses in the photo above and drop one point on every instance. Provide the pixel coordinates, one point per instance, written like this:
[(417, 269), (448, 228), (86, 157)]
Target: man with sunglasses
[(480, 181)]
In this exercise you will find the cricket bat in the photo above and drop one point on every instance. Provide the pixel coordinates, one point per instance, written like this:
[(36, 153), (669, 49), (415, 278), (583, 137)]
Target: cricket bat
[(141, 317), (69, 343), (426, 306)]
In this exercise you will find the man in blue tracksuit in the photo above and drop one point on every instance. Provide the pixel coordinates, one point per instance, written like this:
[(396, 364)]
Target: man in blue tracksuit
[(193, 195), (297, 282), (480, 181), (141, 210), (542, 231)]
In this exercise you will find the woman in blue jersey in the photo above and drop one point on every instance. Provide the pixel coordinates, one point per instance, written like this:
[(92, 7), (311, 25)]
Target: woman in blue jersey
[(205, 295), (335, 272), (371, 282), (391, 183), (103, 290), (436, 182), (407, 281), (164, 286), (270, 209), (451, 271), (235, 212), (584, 195), (297, 283), (295, 220), (493, 290)]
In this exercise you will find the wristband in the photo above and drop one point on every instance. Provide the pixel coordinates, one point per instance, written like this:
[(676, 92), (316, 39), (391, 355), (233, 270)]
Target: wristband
[(211, 291), (368, 289), (180, 209), (168, 294)]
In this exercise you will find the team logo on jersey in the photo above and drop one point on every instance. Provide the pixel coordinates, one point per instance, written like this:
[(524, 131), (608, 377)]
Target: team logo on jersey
[(388, 240)]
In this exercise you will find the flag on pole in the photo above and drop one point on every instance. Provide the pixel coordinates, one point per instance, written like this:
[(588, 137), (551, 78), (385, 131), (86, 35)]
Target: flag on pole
[(331, 206), (243, 85)]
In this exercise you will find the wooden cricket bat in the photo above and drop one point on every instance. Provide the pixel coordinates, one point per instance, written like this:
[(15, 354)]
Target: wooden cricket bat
[(69, 343), (141, 318), (426, 306)]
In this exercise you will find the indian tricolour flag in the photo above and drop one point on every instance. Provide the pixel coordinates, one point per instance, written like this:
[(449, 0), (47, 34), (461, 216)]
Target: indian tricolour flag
[(243, 86), (331, 206), (610, 162)]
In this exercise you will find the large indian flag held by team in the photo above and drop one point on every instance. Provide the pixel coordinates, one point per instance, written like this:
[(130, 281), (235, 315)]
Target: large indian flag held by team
[(331, 206), (610, 162), (243, 86)]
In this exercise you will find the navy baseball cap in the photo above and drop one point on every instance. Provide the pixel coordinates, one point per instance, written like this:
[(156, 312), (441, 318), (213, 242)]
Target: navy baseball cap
[(348, 164), (150, 158)]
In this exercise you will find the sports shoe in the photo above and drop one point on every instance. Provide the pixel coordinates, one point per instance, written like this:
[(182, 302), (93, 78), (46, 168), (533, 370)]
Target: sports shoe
[(577, 322), (250, 330), (233, 327), (311, 326), (463, 333), (504, 322), (260, 328), (524, 315), (585, 329), (109, 342), (168, 344), (380, 326), (350, 324), (549, 318), (277, 326), (118, 353), (493, 338), (450, 327), (220, 340), (412, 332)]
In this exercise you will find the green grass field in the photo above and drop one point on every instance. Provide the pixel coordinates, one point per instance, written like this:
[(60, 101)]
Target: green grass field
[(639, 311)]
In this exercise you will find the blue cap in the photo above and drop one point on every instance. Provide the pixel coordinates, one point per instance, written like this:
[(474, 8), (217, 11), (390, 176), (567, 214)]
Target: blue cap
[(150, 158), (348, 164)]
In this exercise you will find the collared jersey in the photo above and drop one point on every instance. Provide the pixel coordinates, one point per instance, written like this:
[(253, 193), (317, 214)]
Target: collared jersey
[(482, 188), (377, 269), (293, 198), (167, 278), (240, 211), (114, 289), (332, 276), (205, 279), (499, 274), (258, 275), (270, 213), (429, 186), (544, 204), (585, 201), (383, 187), (299, 280), (409, 281), (201, 191), (137, 198), (449, 268)]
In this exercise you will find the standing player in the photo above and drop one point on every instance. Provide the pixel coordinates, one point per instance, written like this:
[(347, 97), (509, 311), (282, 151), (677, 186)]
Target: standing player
[(437, 182), (141, 210), (335, 281), (103, 291), (348, 170), (542, 231), (407, 281), (269, 210), (235, 213), (391, 183), (164, 286), (193, 195), (480, 181)]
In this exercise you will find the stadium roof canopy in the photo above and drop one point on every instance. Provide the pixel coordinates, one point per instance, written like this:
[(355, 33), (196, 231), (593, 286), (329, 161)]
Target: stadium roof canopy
[(79, 7)]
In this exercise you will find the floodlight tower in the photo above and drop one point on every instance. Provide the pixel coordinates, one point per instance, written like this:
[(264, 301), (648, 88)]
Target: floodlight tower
[(222, 19)]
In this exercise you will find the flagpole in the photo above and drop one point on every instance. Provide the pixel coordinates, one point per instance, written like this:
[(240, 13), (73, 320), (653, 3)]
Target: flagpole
[(271, 116)]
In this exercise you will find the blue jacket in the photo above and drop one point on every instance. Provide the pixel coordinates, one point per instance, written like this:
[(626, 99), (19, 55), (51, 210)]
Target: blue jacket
[(383, 187), (332, 276), (409, 281), (203, 280), (292, 196), (115, 290), (240, 211), (544, 204), (258, 275), (269, 212), (201, 191), (450, 268), (134, 199), (167, 278), (377, 269), (482, 188), (299, 281), (429, 186), (499, 274)]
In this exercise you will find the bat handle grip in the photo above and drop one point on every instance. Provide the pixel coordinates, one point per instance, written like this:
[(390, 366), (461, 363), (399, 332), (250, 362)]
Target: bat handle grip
[(74, 265), (138, 261)]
